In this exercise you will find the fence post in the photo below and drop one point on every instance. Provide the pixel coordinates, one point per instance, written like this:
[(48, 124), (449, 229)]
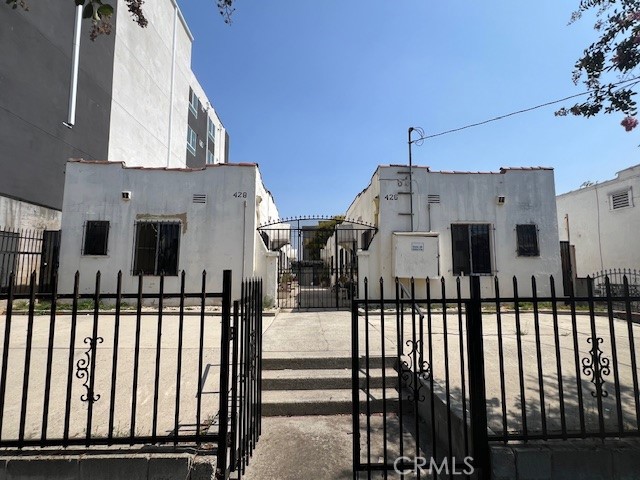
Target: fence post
[(477, 393), (221, 467)]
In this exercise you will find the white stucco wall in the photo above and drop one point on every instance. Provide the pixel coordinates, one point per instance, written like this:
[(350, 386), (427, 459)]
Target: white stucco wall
[(266, 262), (604, 238), (142, 99), (150, 97), (15, 214), (215, 236), (464, 198)]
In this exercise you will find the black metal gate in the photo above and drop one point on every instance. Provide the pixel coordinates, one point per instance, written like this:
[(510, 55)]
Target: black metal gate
[(317, 259), (403, 421), (437, 380), (241, 410), (49, 259)]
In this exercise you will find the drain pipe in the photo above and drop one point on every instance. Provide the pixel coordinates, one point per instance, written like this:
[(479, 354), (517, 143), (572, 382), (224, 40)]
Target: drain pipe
[(75, 61), (173, 79), (244, 235)]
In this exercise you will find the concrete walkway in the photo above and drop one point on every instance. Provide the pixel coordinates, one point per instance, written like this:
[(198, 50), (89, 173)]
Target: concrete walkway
[(309, 447), (294, 448), (307, 334)]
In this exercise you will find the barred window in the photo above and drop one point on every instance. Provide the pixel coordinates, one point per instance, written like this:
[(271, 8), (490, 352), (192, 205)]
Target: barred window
[(96, 237), (527, 240), (471, 248), (156, 248)]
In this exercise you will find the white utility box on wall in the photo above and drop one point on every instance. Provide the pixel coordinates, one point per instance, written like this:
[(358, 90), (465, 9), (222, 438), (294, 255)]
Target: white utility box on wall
[(415, 254)]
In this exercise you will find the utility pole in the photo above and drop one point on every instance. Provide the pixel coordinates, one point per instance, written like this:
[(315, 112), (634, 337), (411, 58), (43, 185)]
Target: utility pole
[(417, 141)]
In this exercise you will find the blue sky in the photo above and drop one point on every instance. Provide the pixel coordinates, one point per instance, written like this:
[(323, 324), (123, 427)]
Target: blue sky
[(319, 93)]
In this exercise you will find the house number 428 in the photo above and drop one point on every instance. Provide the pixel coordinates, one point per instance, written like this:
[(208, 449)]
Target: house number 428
[(240, 194)]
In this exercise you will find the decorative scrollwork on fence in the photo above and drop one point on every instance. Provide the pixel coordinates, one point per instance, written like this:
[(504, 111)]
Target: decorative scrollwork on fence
[(82, 371), (597, 366), (409, 373)]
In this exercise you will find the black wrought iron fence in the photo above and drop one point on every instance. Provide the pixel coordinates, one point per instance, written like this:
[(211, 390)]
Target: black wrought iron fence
[(246, 378), (616, 281), (98, 369), (23, 251), (473, 369)]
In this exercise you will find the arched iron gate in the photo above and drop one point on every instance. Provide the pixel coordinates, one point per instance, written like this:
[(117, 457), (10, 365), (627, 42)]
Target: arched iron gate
[(317, 259)]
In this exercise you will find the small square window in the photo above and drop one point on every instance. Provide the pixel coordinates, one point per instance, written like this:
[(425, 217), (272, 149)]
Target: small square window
[(527, 240), (192, 140), (96, 237)]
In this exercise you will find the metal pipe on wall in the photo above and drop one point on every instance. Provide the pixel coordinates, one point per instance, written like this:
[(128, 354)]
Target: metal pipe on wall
[(173, 77), (411, 129), (75, 62), (244, 235)]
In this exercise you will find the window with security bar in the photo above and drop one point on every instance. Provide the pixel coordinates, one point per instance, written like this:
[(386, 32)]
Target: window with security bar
[(471, 245), (527, 236), (157, 248), (96, 237)]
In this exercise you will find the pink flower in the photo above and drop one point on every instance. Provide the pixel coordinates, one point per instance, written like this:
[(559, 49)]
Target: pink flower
[(632, 16), (629, 123)]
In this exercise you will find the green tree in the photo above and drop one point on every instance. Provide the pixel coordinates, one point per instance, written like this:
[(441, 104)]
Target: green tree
[(322, 233), (609, 66), (99, 12)]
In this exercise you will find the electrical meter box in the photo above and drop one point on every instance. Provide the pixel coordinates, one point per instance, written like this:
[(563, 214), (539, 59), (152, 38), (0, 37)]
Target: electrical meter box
[(415, 254)]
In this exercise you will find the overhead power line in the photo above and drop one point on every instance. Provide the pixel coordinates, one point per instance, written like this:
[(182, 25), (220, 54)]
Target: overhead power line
[(494, 119)]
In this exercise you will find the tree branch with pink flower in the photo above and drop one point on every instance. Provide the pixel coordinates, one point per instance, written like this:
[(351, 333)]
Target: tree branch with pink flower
[(609, 66)]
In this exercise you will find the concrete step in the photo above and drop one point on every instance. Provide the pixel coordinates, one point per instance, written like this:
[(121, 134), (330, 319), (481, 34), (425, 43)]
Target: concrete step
[(323, 379), (313, 363), (323, 402)]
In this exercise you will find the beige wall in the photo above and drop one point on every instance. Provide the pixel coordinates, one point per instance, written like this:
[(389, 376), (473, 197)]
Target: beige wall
[(604, 238)]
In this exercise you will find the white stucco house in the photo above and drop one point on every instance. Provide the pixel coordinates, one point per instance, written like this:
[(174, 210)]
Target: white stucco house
[(155, 220), (602, 222), (464, 223)]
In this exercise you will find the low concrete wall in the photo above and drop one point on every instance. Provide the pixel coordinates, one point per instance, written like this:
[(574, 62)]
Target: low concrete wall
[(100, 466), (440, 418), (589, 459), (616, 459)]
